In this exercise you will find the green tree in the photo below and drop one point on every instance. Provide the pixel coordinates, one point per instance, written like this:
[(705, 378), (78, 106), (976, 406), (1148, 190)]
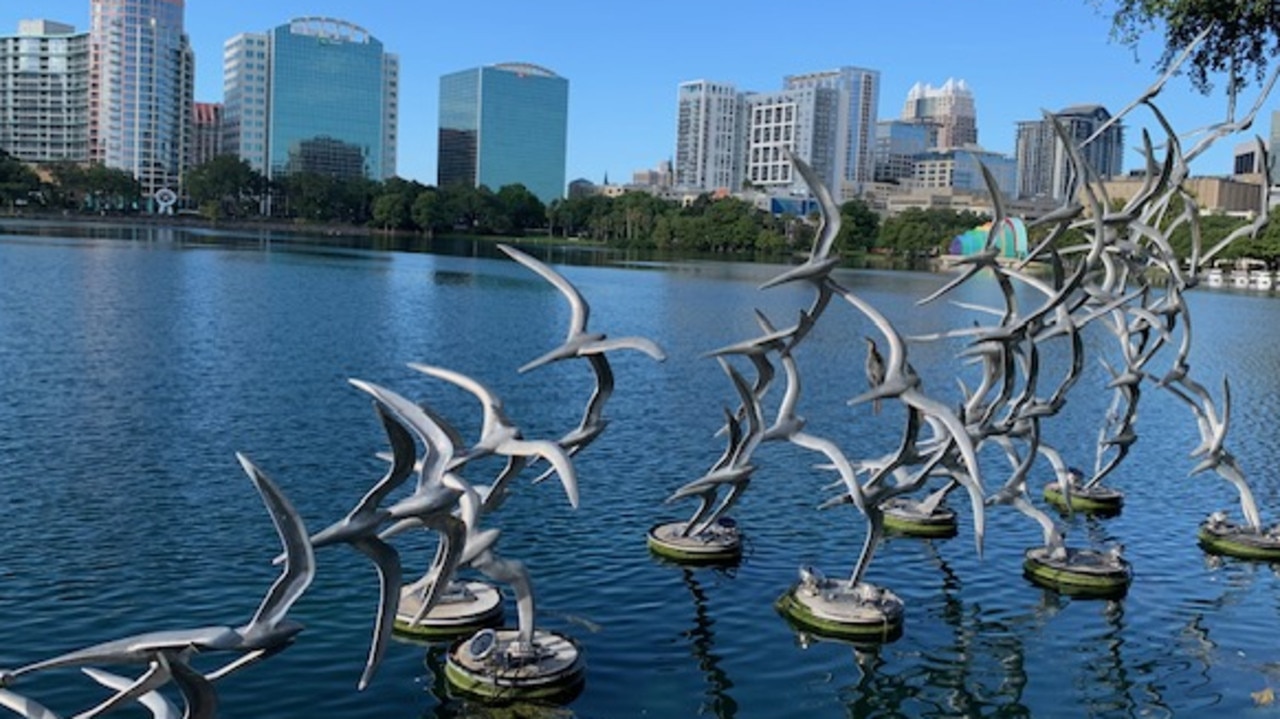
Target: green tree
[(662, 235), (107, 188), (1243, 34), (391, 211), (859, 226), (521, 208), (17, 181), (322, 198), (428, 212), (226, 185), (916, 231)]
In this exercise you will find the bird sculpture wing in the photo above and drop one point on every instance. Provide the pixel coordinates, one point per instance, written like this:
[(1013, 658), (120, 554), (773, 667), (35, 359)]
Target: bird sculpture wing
[(156, 676), (299, 564), (154, 701), (24, 707), (438, 438), (579, 309)]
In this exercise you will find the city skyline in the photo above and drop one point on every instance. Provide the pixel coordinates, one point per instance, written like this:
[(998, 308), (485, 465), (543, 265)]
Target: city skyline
[(625, 66)]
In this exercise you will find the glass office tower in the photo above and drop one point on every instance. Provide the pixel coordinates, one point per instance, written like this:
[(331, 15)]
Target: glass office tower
[(503, 125), (142, 79), (314, 95)]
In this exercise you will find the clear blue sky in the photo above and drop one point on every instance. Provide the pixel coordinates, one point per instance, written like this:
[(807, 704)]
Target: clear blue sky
[(624, 60)]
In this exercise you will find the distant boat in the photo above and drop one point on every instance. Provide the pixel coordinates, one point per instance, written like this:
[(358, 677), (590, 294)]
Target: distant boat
[(1246, 273), (1260, 276), (1240, 274)]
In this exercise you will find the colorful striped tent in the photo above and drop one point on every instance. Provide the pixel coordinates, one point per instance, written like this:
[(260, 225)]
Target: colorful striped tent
[(1011, 238)]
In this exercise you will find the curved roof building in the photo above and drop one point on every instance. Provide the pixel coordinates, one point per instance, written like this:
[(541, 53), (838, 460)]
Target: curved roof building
[(316, 94)]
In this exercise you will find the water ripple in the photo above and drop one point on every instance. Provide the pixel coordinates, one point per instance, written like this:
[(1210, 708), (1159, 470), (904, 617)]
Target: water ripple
[(133, 368)]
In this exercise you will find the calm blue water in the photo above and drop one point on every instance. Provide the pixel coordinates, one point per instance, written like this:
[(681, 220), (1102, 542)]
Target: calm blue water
[(134, 364)]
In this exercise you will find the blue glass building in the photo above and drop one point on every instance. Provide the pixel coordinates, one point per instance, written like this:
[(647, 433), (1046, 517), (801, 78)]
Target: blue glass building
[(314, 95), (503, 125)]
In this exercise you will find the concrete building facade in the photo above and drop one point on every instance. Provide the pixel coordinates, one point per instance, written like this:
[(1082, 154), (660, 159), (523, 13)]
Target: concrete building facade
[(44, 93), (960, 169)]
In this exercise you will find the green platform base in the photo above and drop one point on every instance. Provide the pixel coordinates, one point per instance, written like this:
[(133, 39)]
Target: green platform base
[(831, 610), (555, 675), (903, 517), (1233, 540), (721, 544), (1095, 500), (457, 614), (1082, 572)]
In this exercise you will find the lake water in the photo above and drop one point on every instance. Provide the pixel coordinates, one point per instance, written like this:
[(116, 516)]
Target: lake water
[(134, 363)]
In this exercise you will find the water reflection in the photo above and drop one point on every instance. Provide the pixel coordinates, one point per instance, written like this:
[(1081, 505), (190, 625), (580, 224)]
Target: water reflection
[(982, 667), (702, 642)]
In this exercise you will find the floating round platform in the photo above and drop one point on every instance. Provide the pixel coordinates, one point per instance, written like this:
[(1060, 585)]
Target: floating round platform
[(489, 665), (830, 608), (1219, 536), (464, 609), (1093, 500), (1079, 572), (719, 544), (903, 516)]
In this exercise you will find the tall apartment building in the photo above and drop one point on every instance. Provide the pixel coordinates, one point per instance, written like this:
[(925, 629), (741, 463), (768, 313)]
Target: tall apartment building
[(1044, 169), (725, 137), (44, 93), (312, 95), (949, 110), (502, 125), (857, 98), (801, 121), (141, 86), (709, 131), (206, 124)]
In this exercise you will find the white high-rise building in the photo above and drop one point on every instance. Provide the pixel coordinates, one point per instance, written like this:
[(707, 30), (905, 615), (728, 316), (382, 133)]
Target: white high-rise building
[(799, 121), (948, 109), (44, 93), (709, 126), (725, 137), (244, 99), (142, 82), (857, 99)]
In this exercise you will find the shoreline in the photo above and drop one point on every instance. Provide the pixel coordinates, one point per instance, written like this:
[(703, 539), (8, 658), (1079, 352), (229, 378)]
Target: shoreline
[(372, 238)]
